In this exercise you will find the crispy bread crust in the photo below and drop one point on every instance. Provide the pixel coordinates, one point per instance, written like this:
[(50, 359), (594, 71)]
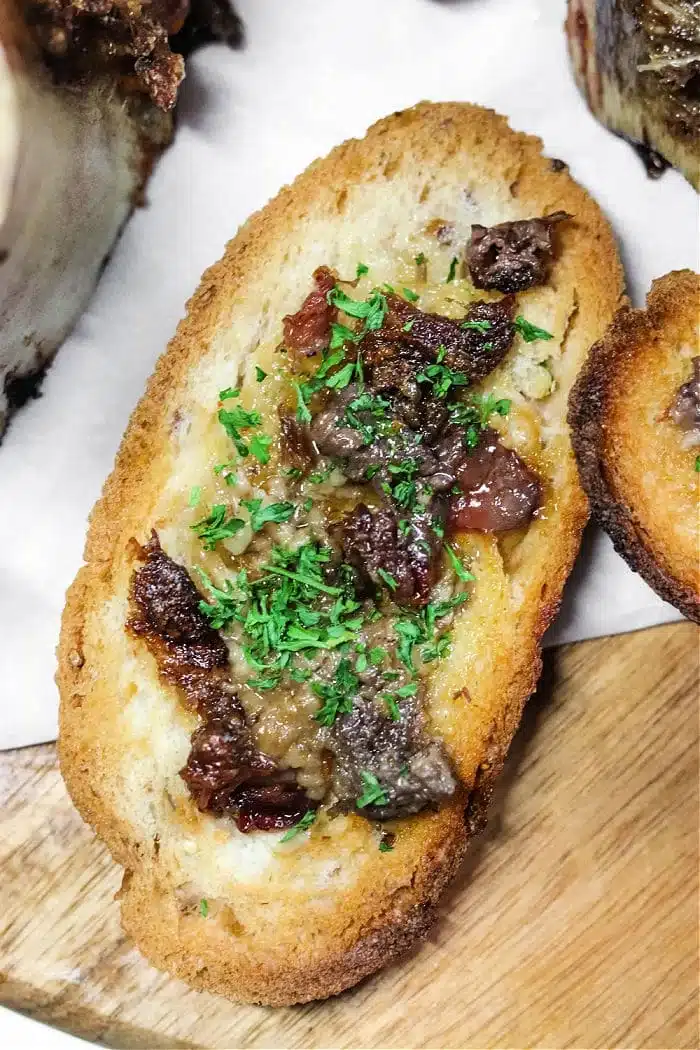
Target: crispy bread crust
[(644, 344), (393, 903)]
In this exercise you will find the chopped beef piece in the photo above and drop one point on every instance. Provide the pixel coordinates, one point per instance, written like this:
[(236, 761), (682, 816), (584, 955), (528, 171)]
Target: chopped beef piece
[(220, 760), (513, 256), (329, 433), (270, 807), (394, 355), (411, 768), (685, 409), (296, 447), (307, 332), (223, 760), (499, 491), (372, 545)]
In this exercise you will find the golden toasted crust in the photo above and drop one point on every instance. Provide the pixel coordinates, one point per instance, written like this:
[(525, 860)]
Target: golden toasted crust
[(639, 477), (323, 916)]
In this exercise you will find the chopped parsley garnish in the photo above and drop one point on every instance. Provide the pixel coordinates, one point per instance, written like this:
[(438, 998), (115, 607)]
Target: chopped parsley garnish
[(420, 628), (388, 579), (409, 325), (289, 609), (260, 374), (303, 414), (440, 376), (215, 527), (403, 487), (301, 825), (437, 650), (392, 699), (697, 464), (474, 414), (293, 472), (273, 512), (361, 270), (337, 697), (340, 335), (319, 476), (225, 470), (228, 393), (235, 420), (530, 332), (204, 907), (373, 793), (259, 446), (377, 655), (307, 504), (452, 270), (477, 326), (372, 310), (375, 422), (419, 259), (457, 565), (386, 844), (195, 495), (412, 297)]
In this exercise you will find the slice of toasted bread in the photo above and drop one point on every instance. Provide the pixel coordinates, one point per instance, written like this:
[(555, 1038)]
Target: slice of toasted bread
[(637, 465), (290, 922)]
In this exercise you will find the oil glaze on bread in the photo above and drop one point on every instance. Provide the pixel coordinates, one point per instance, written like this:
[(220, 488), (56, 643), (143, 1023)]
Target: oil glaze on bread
[(373, 773)]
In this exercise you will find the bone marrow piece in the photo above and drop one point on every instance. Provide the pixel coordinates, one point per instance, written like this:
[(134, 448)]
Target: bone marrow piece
[(637, 63), (86, 92)]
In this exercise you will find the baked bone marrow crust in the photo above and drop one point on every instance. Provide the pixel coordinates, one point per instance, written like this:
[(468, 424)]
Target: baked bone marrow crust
[(317, 580), (86, 92), (637, 63), (635, 422)]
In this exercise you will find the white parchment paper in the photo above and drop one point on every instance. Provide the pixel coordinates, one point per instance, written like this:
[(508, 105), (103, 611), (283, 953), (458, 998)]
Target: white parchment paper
[(313, 73)]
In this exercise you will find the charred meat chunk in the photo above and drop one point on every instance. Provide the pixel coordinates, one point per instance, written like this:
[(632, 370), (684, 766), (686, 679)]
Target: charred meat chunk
[(307, 332), (498, 490), (296, 448), (685, 408), (513, 256), (411, 769), (134, 41), (193, 657), (411, 338), (405, 563), (270, 807)]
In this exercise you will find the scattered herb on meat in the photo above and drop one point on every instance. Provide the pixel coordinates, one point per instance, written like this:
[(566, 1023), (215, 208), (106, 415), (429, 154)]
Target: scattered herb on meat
[(338, 696), (441, 376), (412, 296), (452, 270), (373, 793), (273, 512), (260, 374)]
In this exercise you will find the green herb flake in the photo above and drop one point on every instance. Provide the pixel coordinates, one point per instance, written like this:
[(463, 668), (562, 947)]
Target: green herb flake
[(303, 414), (530, 332), (215, 527), (419, 259), (195, 496), (457, 565), (338, 696), (373, 793), (392, 706), (452, 270), (377, 655), (388, 579), (697, 464), (361, 270), (228, 393), (273, 512), (477, 326), (409, 325), (412, 297), (260, 374), (387, 844), (307, 504), (204, 907), (259, 447), (437, 650), (301, 825)]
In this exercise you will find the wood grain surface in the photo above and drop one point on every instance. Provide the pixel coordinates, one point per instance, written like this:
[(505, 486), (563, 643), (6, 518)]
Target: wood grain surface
[(573, 924)]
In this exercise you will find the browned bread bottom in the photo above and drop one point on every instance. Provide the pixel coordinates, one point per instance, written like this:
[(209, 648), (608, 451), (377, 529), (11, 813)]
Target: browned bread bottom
[(640, 476)]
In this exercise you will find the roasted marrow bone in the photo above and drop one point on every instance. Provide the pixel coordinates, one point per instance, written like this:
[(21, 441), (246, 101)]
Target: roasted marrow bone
[(638, 64)]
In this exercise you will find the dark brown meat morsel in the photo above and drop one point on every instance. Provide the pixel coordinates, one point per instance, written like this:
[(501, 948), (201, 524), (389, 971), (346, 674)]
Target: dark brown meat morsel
[(270, 807), (372, 545), (513, 256), (499, 491), (193, 657), (394, 355), (296, 447), (307, 331), (685, 408), (412, 768)]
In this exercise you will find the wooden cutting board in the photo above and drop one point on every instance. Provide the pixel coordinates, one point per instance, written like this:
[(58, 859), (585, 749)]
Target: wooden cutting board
[(574, 922)]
